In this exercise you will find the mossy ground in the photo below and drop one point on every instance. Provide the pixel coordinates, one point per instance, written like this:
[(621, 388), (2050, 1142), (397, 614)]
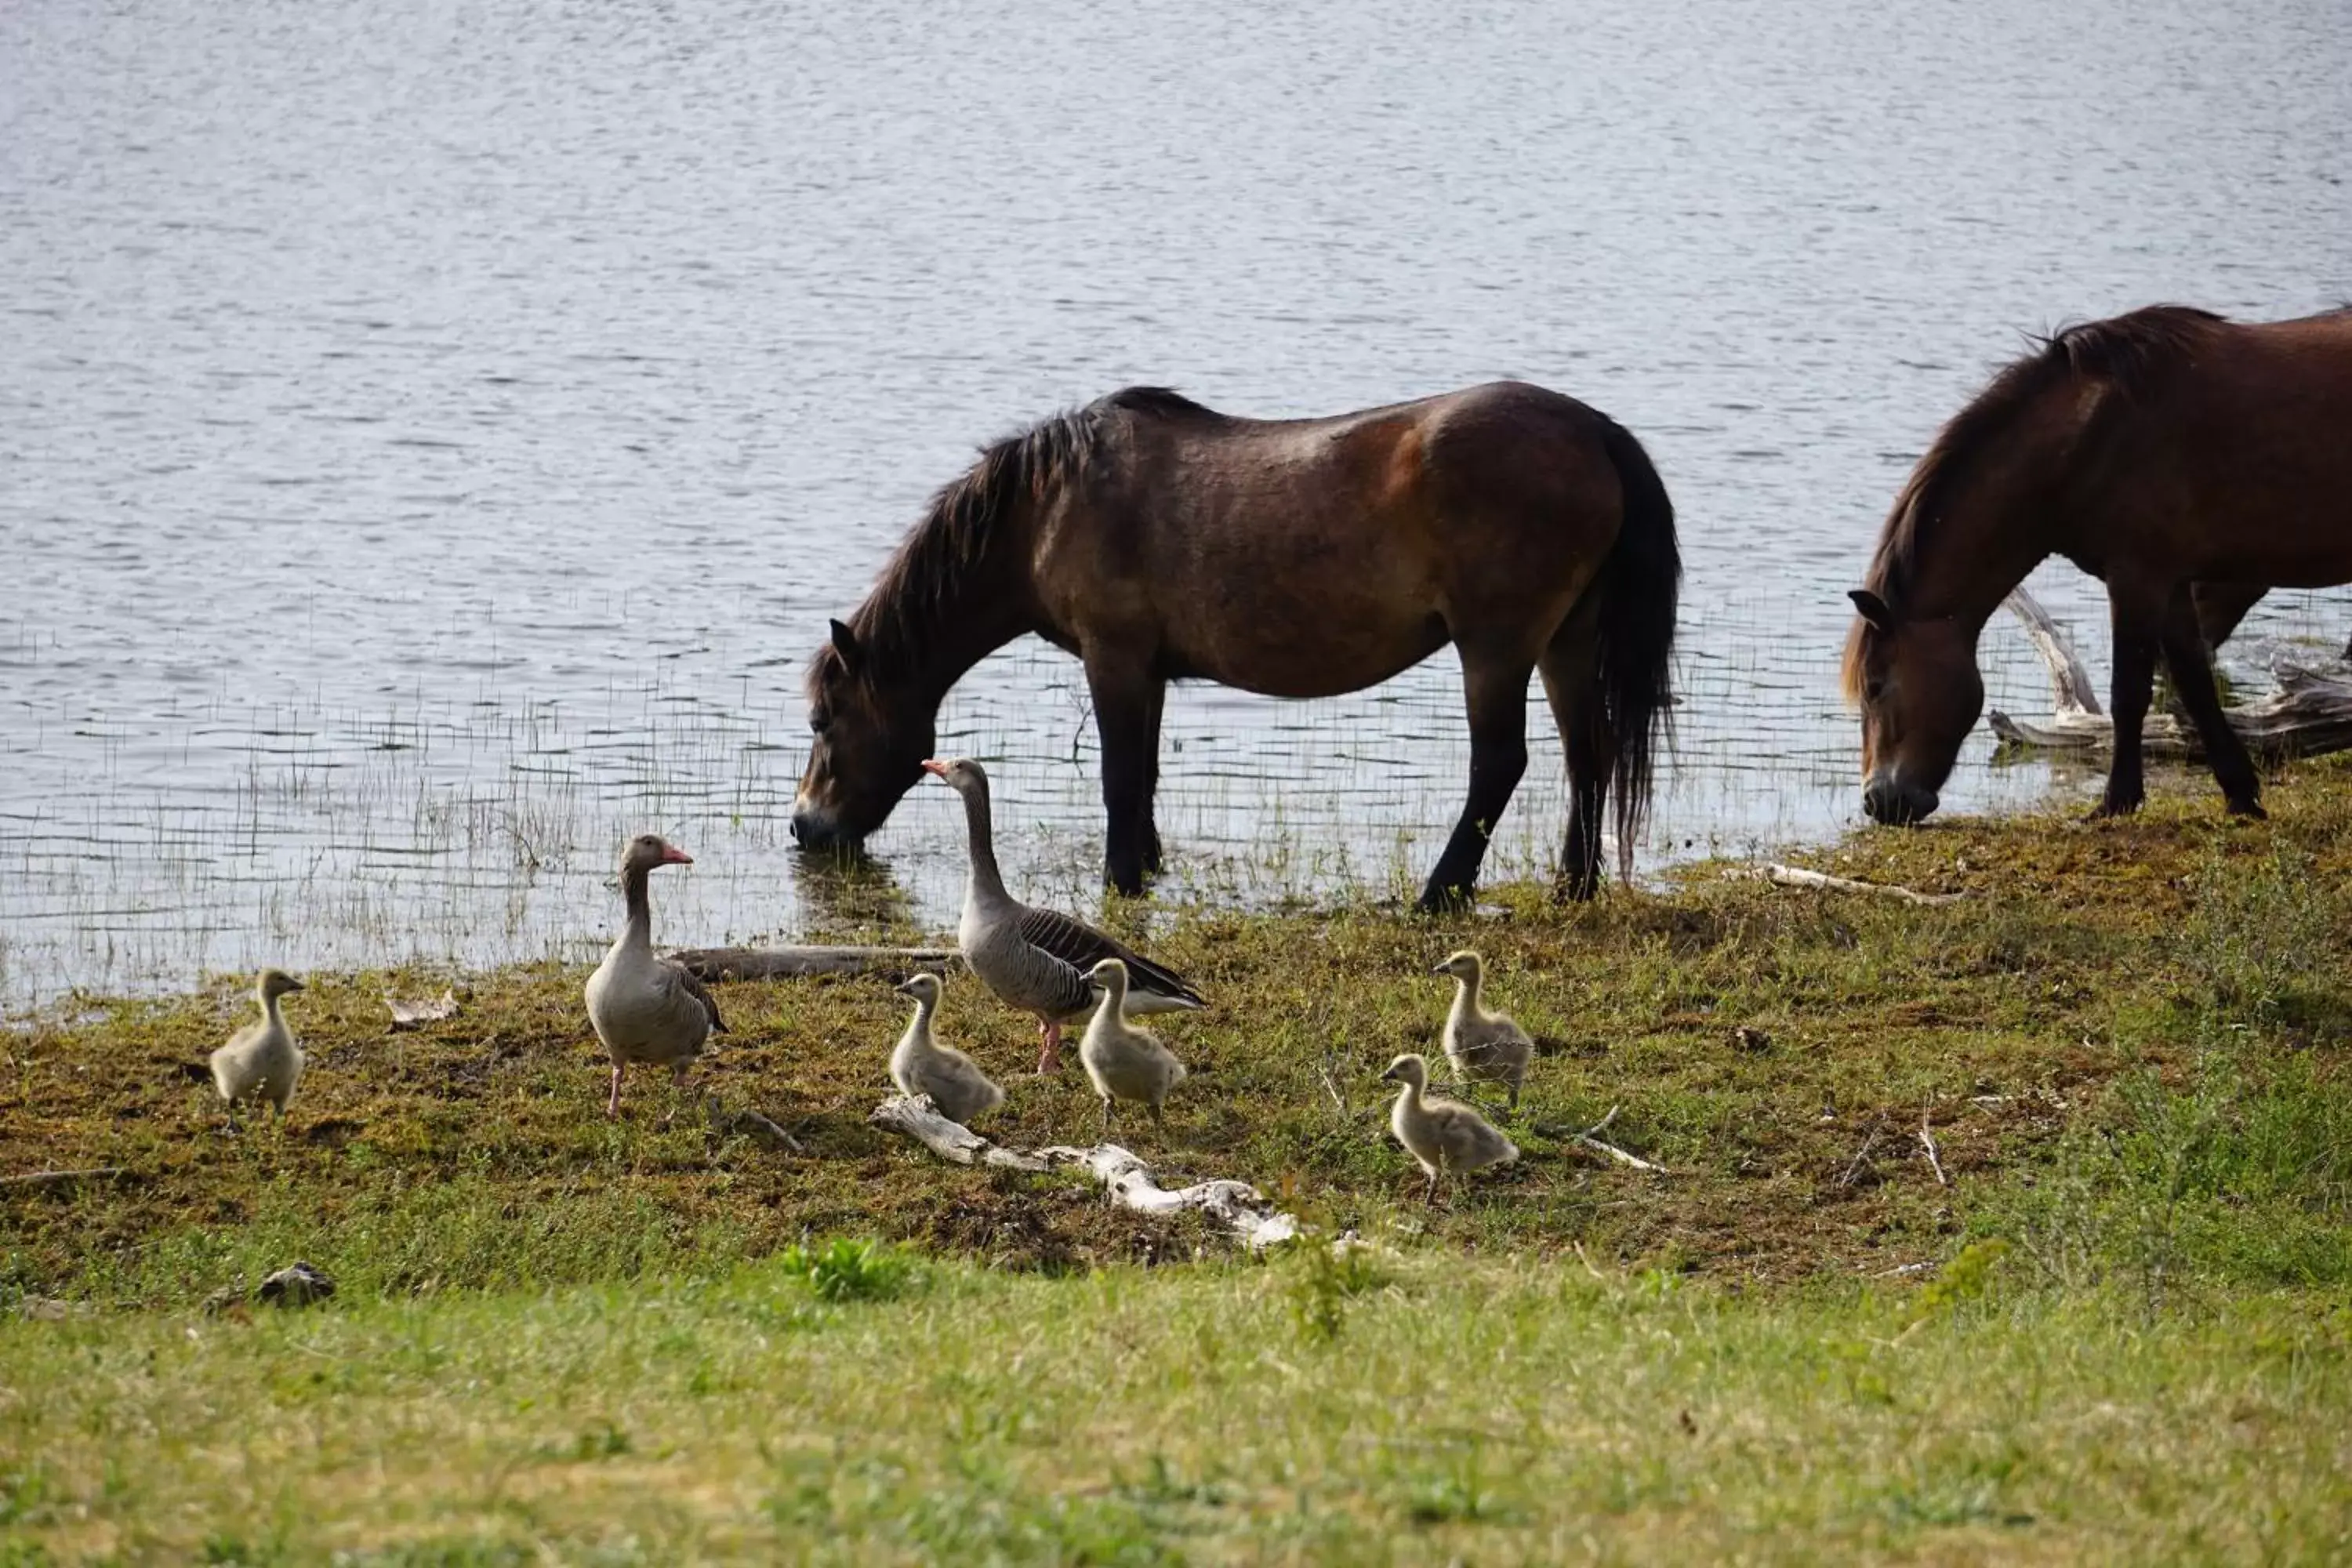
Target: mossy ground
[(2128, 1042)]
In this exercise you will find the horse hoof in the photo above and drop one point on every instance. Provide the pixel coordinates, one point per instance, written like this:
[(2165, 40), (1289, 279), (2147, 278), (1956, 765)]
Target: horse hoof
[(2249, 810)]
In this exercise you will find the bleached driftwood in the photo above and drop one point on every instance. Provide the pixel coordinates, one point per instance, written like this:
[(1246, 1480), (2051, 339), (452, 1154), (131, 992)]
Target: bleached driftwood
[(801, 962), (1798, 876), (918, 1118), (2309, 715), (1234, 1206), (2070, 689), (406, 1016)]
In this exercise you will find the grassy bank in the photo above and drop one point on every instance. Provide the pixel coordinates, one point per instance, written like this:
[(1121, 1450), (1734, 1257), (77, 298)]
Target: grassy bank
[(2127, 1044), (1497, 1411)]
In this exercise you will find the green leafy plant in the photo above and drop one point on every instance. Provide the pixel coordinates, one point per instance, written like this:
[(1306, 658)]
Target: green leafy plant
[(845, 1270)]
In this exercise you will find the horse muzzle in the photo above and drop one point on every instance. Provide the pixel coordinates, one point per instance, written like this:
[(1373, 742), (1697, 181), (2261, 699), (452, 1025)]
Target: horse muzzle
[(814, 828), (1888, 799)]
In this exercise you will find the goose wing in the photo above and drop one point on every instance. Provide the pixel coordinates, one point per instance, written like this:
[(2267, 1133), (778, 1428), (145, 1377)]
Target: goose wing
[(1082, 947), (691, 983)]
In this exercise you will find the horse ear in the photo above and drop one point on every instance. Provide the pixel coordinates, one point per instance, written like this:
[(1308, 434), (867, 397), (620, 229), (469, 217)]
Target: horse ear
[(844, 643), (1873, 609)]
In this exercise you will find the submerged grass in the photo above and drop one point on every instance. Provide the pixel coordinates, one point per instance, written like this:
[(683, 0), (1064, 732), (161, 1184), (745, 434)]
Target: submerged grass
[(641, 1340)]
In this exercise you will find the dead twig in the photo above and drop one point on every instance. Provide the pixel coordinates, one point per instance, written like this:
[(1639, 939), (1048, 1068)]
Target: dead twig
[(749, 1124), (1798, 876), (1331, 1087), (1869, 1141), (1927, 1141), (1589, 1138)]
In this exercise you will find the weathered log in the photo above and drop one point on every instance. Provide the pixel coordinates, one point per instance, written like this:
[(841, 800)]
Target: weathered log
[(2070, 689), (2309, 715), (1798, 876), (1234, 1206), (920, 1119), (802, 963), (407, 1016)]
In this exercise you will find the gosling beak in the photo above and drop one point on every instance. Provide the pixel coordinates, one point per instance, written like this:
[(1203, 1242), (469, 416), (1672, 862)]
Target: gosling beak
[(906, 988), (294, 984), (933, 765), (673, 855), (1388, 1077), (1441, 969)]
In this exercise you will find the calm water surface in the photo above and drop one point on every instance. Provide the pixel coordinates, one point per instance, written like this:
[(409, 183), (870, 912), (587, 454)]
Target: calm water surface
[(432, 437)]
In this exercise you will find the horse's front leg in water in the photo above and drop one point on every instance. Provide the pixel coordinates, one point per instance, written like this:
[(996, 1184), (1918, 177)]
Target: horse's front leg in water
[(1127, 713), (1498, 700), (2190, 661), (2135, 617)]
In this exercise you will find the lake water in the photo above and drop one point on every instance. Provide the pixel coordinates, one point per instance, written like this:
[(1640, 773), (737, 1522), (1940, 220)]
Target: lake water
[(433, 436)]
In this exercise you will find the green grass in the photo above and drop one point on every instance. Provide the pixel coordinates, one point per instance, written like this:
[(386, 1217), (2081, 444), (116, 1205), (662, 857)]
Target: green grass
[(1498, 1411), (2109, 1322)]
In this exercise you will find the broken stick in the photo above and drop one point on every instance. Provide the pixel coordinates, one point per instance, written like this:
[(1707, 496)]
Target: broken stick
[(1798, 876)]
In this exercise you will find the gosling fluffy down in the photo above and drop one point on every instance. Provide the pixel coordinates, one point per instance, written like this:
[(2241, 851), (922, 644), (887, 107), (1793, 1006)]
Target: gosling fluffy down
[(1480, 1043), (1439, 1133), (1122, 1062), (263, 1060), (920, 1065)]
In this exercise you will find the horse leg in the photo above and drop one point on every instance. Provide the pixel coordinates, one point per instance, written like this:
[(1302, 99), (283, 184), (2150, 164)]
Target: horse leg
[(2186, 654), (2219, 606), (1127, 718), (1572, 677), (1151, 857), (1496, 696), (2137, 614)]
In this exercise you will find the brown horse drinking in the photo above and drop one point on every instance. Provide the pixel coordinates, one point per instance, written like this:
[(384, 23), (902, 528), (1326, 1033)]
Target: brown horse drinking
[(1159, 540), (2186, 460)]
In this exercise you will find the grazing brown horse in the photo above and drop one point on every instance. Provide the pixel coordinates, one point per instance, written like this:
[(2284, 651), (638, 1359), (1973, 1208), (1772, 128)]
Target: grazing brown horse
[(2164, 451), (1159, 540)]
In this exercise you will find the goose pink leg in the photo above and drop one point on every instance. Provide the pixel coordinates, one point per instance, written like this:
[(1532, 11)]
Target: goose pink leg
[(612, 1105), (1050, 1059)]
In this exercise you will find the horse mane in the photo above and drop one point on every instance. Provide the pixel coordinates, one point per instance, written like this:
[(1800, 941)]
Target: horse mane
[(913, 592), (2129, 352)]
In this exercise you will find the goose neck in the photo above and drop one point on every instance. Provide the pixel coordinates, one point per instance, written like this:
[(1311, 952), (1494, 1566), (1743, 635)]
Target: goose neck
[(979, 823), (1113, 1005), (635, 889)]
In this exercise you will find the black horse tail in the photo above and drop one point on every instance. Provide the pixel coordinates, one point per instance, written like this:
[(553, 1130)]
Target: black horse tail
[(1639, 584)]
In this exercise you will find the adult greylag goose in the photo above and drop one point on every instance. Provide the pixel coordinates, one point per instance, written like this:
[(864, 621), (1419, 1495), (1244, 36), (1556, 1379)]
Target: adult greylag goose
[(1037, 960), (645, 1007), (1122, 1062), (1442, 1135), (1481, 1043), (263, 1060), (920, 1065)]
